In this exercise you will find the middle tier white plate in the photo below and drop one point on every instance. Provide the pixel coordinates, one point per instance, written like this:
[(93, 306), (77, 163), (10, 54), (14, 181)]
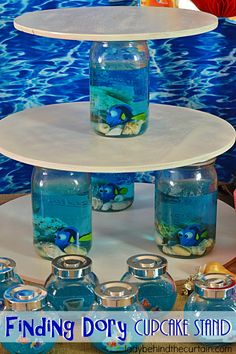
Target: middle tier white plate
[(116, 236), (60, 137)]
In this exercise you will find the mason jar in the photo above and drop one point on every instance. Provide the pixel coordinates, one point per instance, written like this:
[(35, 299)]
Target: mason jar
[(156, 288), (119, 88), (185, 210), (71, 285), (214, 297), (8, 276), (112, 191), (118, 300), (27, 298), (61, 203)]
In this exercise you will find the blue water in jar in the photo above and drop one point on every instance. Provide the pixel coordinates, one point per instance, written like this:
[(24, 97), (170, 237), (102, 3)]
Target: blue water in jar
[(36, 300), (69, 295), (121, 107), (119, 88), (199, 307), (113, 344), (112, 192), (28, 348), (158, 295), (61, 219), (186, 218)]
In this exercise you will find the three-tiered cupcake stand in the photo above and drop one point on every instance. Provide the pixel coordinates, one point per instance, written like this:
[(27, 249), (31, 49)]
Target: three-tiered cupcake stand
[(60, 137)]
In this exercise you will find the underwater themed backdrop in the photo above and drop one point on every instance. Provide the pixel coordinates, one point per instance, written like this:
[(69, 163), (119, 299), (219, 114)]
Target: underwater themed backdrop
[(197, 72)]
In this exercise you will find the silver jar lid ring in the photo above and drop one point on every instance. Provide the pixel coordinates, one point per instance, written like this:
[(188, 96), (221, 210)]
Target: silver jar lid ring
[(25, 298), (116, 294), (7, 266), (71, 266), (147, 265), (215, 285)]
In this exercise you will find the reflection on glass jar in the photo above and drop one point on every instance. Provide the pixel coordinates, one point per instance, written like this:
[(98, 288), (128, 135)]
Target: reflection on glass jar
[(213, 299), (71, 285), (24, 298), (119, 88), (185, 210), (156, 288), (61, 203), (8, 277), (117, 299), (112, 191)]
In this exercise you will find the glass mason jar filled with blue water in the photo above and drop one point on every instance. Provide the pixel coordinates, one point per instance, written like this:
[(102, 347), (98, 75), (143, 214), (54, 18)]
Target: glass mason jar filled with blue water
[(61, 203), (117, 300), (71, 285), (8, 277), (214, 296), (112, 191), (27, 298), (119, 88), (156, 288), (185, 210)]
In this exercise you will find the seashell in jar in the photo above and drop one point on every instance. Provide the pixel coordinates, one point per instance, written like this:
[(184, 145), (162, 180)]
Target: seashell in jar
[(132, 128), (120, 205), (73, 249), (115, 131), (177, 250), (50, 250), (106, 206), (103, 128), (119, 198), (96, 203)]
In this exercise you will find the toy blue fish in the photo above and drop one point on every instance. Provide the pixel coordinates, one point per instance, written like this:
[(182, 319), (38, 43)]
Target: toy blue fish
[(118, 114), (70, 235), (191, 236), (66, 236), (109, 191)]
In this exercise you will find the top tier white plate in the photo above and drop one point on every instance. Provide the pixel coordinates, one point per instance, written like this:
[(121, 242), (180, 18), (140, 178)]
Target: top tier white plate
[(115, 23), (60, 137)]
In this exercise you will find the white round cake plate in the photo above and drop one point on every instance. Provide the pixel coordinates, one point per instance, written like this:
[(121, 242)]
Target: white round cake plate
[(120, 23), (116, 237), (60, 137)]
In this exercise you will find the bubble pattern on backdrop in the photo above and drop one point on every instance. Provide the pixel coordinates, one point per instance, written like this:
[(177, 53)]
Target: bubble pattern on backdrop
[(197, 72)]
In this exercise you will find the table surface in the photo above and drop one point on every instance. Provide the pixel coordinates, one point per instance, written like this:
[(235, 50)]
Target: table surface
[(60, 137), (120, 23), (116, 237)]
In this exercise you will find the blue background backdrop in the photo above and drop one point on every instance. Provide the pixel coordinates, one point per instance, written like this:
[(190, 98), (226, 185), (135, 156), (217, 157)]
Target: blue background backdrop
[(197, 72)]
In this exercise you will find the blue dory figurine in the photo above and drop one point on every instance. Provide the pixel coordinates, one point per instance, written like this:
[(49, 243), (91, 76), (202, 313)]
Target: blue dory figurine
[(70, 235), (191, 236), (109, 191), (119, 114)]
